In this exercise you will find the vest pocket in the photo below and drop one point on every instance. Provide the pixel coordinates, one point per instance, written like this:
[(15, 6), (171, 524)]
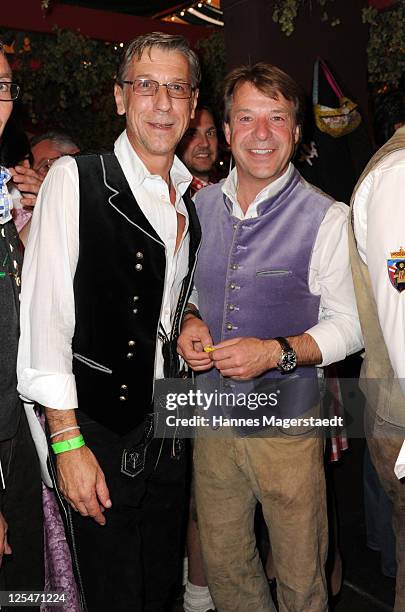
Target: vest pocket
[(273, 272), (272, 286), (92, 364)]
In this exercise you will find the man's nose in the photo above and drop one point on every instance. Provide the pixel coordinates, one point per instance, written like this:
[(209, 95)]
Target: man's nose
[(262, 129), (162, 100), (204, 141)]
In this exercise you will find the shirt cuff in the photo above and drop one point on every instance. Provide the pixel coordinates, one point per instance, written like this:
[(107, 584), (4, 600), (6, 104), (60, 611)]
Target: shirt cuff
[(193, 299), (330, 342), (57, 391)]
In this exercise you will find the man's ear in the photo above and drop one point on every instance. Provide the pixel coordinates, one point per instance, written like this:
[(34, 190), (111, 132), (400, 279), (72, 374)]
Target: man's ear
[(194, 100), (119, 99), (297, 134), (227, 132)]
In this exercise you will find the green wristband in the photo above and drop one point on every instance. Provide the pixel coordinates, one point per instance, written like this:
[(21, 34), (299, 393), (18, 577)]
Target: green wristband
[(68, 445)]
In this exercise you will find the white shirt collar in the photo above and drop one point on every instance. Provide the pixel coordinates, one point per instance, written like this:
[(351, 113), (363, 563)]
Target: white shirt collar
[(230, 187), (136, 172)]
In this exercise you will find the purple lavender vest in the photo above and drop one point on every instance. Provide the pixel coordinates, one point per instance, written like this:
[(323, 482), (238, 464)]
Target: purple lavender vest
[(252, 275)]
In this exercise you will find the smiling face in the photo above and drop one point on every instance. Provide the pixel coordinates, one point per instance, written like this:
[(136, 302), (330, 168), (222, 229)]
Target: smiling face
[(199, 147), (5, 107), (262, 133), (155, 124)]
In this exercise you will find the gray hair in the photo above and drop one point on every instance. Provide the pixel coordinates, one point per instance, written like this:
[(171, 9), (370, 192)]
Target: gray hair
[(62, 140), (160, 40)]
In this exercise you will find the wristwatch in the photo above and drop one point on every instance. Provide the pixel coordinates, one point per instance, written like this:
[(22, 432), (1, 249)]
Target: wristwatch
[(193, 311), (288, 359)]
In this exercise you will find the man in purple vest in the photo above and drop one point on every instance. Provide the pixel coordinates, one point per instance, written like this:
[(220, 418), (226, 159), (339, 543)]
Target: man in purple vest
[(274, 294)]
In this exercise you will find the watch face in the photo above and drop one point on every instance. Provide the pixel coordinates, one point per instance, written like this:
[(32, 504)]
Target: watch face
[(288, 361)]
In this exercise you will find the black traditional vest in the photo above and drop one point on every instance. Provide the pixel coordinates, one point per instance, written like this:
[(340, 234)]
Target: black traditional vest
[(118, 290), (10, 403)]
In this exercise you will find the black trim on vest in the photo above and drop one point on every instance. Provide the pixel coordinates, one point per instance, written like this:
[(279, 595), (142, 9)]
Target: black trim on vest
[(121, 195)]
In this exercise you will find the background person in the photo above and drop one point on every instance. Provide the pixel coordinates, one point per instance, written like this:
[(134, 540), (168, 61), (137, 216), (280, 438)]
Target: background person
[(21, 540), (28, 177), (376, 247), (198, 149)]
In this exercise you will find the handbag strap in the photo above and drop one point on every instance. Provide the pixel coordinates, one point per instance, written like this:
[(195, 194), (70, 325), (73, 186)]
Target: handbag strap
[(329, 77)]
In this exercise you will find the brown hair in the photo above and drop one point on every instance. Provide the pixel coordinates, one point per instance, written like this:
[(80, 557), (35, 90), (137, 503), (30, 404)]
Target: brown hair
[(160, 40), (268, 79)]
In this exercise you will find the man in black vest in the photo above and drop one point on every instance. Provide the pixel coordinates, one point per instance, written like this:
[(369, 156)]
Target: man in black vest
[(20, 481), (108, 271)]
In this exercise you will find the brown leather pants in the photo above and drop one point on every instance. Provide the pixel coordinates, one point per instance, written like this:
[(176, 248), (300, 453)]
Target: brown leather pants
[(286, 475)]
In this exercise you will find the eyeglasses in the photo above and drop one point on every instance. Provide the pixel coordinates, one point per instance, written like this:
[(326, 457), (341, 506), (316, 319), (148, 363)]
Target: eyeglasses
[(44, 166), (8, 91), (147, 87)]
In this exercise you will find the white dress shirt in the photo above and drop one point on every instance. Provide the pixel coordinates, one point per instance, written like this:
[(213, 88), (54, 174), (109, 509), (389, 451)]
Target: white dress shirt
[(338, 331), (47, 300), (379, 227)]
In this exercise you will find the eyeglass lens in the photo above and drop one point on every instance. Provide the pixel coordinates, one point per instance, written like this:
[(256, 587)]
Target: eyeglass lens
[(148, 87), (8, 91)]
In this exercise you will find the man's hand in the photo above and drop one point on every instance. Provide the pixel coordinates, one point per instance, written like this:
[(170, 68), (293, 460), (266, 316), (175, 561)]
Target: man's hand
[(82, 483), (194, 336), (28, 182), (4, 545), (245, 358)]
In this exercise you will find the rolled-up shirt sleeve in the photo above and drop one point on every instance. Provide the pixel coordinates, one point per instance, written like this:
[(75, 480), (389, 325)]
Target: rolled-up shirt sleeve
[(44, 362), (338, 332)]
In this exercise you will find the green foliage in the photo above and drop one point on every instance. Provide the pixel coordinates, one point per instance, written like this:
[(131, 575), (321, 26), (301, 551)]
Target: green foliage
[(67, 83), (213, 64), (386, 46), (285, 13)]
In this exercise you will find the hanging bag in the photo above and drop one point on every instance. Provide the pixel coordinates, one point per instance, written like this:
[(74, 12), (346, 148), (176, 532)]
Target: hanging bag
[(337, 121)]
